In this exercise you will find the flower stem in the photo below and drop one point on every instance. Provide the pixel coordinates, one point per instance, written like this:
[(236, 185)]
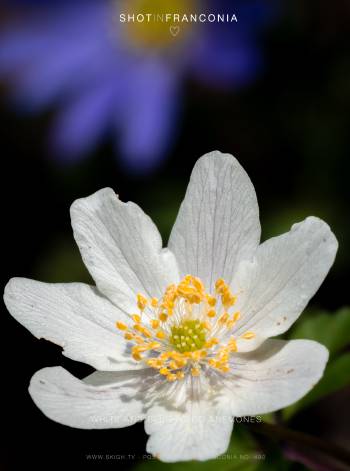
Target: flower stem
[(301, 438)]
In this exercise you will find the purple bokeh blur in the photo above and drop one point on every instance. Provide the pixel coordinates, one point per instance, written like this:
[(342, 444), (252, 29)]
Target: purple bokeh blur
[(75, 56)]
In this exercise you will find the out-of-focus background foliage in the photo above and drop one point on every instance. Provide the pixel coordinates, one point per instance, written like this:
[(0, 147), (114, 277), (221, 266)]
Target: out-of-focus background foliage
[(85, 104)]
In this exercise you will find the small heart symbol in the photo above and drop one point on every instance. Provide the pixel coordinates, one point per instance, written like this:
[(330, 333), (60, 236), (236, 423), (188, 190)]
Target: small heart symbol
[(174, 30)]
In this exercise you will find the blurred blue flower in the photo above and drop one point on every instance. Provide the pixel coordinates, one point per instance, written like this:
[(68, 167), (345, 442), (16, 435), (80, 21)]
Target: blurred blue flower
[(108, 77)]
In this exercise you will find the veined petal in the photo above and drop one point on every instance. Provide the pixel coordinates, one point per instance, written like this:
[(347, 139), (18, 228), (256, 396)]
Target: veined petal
[(109, 401), (274, 376), (218, 222), (200, 432), (73, 316), (281, 279), (121, 248)]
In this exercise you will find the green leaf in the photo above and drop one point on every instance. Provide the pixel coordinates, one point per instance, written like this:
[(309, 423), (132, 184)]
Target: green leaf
[(330, 329), (269, 418), (241, 455), (336, 377)]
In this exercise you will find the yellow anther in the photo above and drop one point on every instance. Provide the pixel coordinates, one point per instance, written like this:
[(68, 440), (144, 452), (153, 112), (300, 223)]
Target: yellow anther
[(155, 323), (154, 363), (211, 342), (228, 299), (170, 288), (224, 318), (160, 334), (232, 345), (136, 356), (173, 365), (236, 316), (163, 317), (179, 358), (184, 290), (197, 283), (164, 371), (220, 283), (154, 302), (139, 348), (121, 326), (141, 302), (206, 325), (171, 377), (211, 300), (175, 355), (195, 371), (154, 345), (223, 357), (128, 336), (138, 327), (181, 363), (136, 318), (248, 335), (165, 355), (195, 298), (211, 313), (196, 355), (146, 332), (180, 375)]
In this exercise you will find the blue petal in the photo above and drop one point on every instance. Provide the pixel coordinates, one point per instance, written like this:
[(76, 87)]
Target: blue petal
[(148, 118), (83, 121)]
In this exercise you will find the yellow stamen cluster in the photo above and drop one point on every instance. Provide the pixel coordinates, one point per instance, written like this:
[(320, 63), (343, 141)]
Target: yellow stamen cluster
[(180, 333), (227, 298)]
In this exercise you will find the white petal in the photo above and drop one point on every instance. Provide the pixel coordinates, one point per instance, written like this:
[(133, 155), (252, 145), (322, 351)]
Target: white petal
[(113, 403), (73, 316), (274, 376), (121, 248), (279, 282), (199, 432), (218, 222)]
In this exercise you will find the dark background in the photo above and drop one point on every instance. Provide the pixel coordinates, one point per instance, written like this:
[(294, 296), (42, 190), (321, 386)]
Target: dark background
[(290, 131)]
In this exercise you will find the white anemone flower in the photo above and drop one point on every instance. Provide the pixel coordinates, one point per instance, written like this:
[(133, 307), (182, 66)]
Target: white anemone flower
[(180, 336)]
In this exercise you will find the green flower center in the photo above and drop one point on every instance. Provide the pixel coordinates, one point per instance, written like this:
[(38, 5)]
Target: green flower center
[(188, 336)]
